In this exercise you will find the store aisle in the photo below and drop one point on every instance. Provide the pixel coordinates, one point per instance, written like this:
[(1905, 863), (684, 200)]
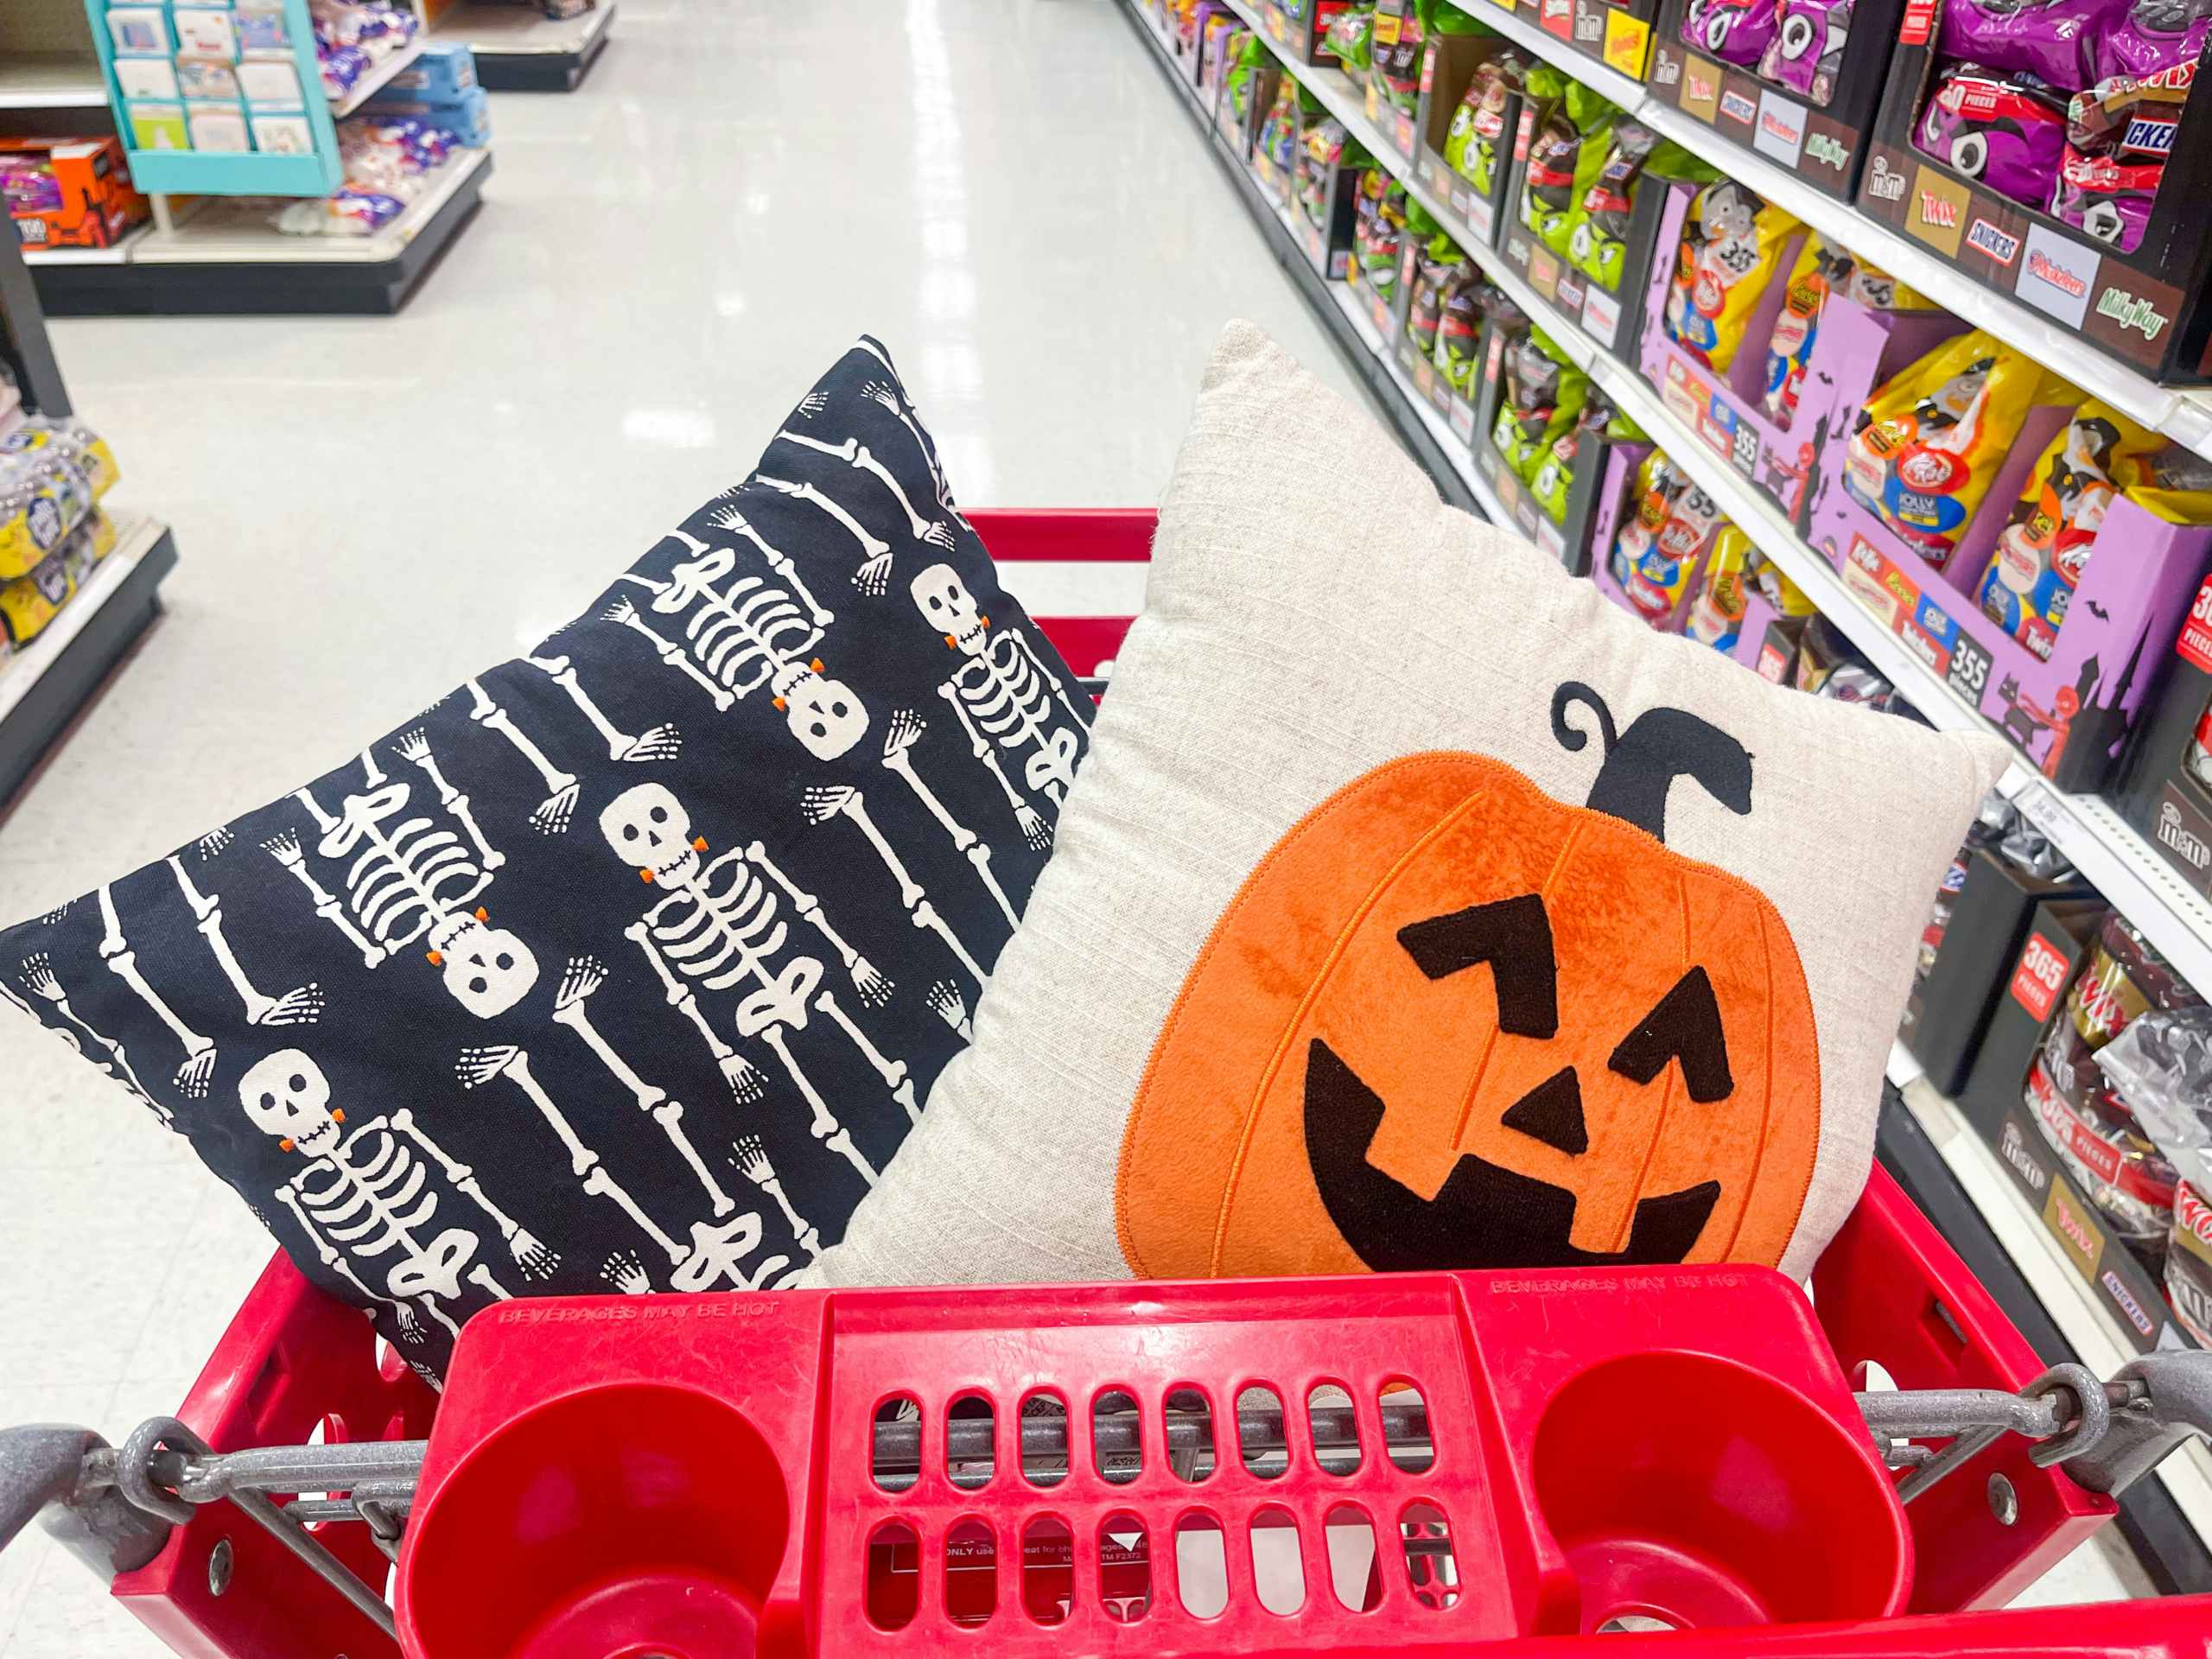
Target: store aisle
[(369, 508)]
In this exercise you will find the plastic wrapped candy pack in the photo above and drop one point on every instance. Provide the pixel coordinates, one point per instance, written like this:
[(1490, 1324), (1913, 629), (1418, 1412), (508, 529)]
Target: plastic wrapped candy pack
[(1544, 394), (1732, 246), (1805, 54), (1659, 547), (1928, 443), (2010, 135), (1822, 270), (1378, 231), (1553, 475), (351, 38), (1734, 31), (388, 161), (2091, 1123), (2043, 42), (1471, 141)]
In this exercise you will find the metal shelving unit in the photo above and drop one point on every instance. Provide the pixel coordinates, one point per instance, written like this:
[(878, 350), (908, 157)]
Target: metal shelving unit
[(2184, 414), (1430, 440), (44, 685), (2126, 868)]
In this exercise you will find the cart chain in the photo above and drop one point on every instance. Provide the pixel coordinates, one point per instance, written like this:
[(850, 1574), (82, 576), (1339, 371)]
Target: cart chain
[(2066, 1412)]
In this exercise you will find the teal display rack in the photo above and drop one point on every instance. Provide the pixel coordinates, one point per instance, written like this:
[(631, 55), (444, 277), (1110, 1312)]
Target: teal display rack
[(160, 169)]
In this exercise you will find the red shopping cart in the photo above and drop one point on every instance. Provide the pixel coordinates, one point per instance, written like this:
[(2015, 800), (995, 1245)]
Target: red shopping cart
[(1419, 1462)]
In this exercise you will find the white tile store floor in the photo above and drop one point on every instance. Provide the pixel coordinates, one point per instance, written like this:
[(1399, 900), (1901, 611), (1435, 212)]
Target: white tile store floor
[(369, 508)]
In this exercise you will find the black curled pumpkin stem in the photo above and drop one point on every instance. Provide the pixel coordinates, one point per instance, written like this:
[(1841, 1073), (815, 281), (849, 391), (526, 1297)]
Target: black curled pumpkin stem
[(1641, 764)]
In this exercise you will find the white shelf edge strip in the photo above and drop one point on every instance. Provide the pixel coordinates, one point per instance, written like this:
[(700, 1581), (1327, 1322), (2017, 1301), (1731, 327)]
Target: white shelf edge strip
[(376, 80), (2056, 1282), (2181, 415), (2126, 868), (1362, 325), (134, 535)]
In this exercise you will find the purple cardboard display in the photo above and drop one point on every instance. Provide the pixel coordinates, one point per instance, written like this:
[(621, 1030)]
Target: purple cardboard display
[(1855, 351), (2072, 715), (1205, 69), (1757, 613)]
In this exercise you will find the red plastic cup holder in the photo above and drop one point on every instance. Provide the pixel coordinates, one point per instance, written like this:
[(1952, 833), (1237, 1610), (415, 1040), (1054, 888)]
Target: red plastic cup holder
[(615, 1522), (1700, 1493)]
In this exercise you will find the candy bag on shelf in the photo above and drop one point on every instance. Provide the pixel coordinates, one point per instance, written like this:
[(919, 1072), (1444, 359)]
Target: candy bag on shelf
[(2039, 557), (1596, 240), (1396, 64), (2162, 1064), (1543, 394), (1441, 262), (1734, 31), (1731, 245), (1351, 35), (1458, 328), (2153, 39), (1820, 271), (1554, 473), (1659, 546), (1715, 617), (1378, 229), (2106, 197), (2011, 135), (1805, 54), (1566, 153), (2050, 42), (1471, 144), (1927, 443), (1325, 148), (2169, 481)]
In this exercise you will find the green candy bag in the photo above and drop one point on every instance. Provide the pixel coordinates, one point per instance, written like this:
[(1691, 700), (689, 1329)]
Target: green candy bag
[(1544, 393)]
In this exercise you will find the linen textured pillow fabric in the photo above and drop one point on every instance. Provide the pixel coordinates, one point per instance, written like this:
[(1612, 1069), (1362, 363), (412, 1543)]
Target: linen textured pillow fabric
[(628, 964), (1417, 907)]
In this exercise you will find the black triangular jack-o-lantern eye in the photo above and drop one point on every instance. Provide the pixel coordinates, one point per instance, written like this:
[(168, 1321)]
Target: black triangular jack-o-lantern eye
[(1513, 937)]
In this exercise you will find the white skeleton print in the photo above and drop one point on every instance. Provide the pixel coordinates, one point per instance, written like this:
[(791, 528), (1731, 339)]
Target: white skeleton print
[(716, 1250), (366, 1196), (1003, 697), (749, 634), (886, 394), (550, 816), (721, 928), (821, 803), (40, 981), (751, 1160), (660, 743), (198, 1066), (410, 879), (302, 1006)]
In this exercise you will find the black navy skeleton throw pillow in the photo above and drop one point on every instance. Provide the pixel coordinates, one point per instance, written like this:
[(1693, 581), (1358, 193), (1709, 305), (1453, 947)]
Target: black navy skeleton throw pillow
[(628, 964)]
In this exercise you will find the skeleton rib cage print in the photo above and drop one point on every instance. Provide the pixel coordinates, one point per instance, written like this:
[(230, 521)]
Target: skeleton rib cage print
[(627, 965)]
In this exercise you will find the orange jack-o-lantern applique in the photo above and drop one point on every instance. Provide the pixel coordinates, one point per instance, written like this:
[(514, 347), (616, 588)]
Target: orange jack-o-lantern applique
[(1452, 1022)]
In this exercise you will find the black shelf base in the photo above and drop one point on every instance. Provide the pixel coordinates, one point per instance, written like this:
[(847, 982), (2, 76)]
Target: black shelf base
[(262, 287), (540, 71)]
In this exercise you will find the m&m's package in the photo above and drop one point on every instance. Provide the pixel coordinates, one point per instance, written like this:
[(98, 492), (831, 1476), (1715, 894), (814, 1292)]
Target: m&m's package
[(1731, 247), (1805, 54), (1927, 443), (2011, 135), (1734, 31)]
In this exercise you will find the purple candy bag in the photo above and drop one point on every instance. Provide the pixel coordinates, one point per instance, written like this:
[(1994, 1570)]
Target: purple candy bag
[(1806, 50), (2154, 35), (2109, 200), (2050, 40), (2009, 137), (1734, 31)]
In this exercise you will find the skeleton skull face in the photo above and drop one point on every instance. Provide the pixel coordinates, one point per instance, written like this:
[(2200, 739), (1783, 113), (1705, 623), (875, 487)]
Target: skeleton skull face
[(648, 830), (947, 606), (487, 969), (825, 715), (287, 1095)]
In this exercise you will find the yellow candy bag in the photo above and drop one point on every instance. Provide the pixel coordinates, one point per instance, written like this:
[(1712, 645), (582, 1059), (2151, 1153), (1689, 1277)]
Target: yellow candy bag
[(1732, 246), (1656, 551), (1716, 615), (2038, 563), (1927, 443)]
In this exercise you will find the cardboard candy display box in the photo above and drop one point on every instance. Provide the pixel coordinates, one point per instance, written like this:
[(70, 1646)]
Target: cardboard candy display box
[(1300, 28), (1450, 65), (2146, 306), (1855, 350), (1612, 316), (2166, 791), (1813, 113), (2070, 714)]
